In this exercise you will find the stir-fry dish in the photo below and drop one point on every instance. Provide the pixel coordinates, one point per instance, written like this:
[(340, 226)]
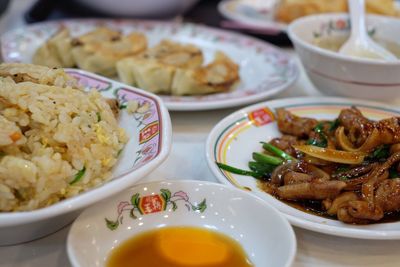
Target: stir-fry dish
[(348, 168)]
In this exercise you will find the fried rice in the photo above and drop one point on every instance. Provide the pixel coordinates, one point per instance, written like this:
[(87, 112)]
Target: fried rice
[(56, 140)]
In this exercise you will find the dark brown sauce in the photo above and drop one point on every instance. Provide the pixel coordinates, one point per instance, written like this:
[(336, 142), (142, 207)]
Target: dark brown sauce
[(313, 207)]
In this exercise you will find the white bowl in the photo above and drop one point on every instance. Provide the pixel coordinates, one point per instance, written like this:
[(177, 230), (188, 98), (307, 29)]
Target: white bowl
[(140, 156), (140, 8), (336, 74), (264, 234)]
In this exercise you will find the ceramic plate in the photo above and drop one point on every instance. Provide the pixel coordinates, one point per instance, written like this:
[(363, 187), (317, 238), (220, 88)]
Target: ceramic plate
[(149, 131), (268, 241), (264, 69), (234, 139), (236, 11)]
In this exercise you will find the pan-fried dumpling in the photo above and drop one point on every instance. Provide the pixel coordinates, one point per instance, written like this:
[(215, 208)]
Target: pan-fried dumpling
[(46, 56), (99, 51), (98, 35), (218, 76), (175, 54), (149, 74), (154, 70), (55, 52), (62, 42), (125, 70)]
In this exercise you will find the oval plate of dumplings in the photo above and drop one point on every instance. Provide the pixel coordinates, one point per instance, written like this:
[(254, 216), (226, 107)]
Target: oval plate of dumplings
[(191, 67)]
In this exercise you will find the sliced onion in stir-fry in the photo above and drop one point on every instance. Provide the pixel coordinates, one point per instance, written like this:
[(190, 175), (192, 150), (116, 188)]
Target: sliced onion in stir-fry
[(332, 155), (372, 141), (316, 161), (342, 140)]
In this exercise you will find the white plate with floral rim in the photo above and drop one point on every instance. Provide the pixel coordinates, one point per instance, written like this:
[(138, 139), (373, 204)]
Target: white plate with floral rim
[(233, 140), (265, 70), (268, 240), (259, 14), (149, 131)]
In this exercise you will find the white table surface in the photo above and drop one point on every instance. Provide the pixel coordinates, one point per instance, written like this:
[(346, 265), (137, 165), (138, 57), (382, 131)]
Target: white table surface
[(187, 161)]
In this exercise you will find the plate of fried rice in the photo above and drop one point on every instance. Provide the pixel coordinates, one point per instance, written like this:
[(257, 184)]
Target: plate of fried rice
[(69, 138)]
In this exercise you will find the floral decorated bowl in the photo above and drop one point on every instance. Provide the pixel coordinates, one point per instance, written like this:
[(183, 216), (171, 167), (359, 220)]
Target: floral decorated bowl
[(149, 131), (341, 75), (264, 234)]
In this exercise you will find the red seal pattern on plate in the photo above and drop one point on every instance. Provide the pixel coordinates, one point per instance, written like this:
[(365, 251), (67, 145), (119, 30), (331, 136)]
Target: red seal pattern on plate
[(261, 116), (153, 203)]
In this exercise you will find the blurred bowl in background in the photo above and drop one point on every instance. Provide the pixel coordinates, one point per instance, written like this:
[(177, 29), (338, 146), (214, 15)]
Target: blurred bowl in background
[(340, 75), (140, 8)]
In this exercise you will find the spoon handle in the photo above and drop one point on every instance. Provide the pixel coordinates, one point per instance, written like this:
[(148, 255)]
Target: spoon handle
[(357, 15)]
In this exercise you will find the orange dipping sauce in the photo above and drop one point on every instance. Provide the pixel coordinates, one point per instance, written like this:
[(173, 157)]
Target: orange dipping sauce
[(179, 247)]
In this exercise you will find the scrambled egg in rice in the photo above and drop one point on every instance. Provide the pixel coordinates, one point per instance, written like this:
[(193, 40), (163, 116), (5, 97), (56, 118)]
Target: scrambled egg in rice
[(55, 139)]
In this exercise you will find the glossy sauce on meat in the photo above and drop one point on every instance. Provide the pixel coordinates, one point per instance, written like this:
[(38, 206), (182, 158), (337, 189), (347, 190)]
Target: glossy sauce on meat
[(342, 169), (315, 207)]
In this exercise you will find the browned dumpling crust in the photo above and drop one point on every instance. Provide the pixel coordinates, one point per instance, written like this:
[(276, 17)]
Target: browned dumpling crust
[(96, 51), (56, 52), (154, 70), (221, 75), (177, 69), (99, 51)]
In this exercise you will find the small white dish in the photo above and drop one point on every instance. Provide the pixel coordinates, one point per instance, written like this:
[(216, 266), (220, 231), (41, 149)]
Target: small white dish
[(265, 70), (264, 234), (234, 138), (244, 13), (149, 144)]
